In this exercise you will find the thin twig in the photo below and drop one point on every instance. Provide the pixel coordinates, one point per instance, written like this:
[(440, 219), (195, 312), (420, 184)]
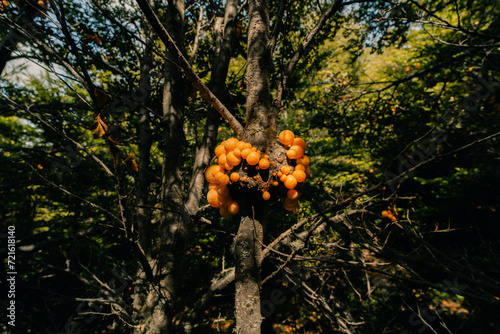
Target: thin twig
[(303, 48), (188, 70)]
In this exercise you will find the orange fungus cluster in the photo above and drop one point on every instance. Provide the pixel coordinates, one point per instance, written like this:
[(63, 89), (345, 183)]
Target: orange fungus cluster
[(240, 165), (295, 170), (388, 214)]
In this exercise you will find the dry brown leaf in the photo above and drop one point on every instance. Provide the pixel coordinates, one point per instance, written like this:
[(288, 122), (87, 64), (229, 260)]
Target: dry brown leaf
[(132, 165), (97, 130)]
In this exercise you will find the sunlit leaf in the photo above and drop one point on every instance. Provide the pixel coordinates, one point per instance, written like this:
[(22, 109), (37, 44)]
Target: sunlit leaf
[(99, 119), (113, 141), (97, 130), (131, 164)]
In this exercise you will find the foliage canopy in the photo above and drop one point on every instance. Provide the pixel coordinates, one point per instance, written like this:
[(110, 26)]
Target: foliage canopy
[(103, 139)]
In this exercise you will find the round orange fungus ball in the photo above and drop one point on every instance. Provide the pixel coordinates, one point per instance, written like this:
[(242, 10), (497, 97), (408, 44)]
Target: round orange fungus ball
[(286, 137), (219, 150), (295, 152), (232, 159), (290, 182), (264, 163), (210, 173), (283, 178), (292, 194), (299, 142), (212, 198), (304, 160), (285, 169), (234, 177), (230, 144), (222, 178), (300, 167), (222, 161), (233, 207), (253, 158), (237, 152), (245, 152), (241, 145), (300, 175), (223, 191)]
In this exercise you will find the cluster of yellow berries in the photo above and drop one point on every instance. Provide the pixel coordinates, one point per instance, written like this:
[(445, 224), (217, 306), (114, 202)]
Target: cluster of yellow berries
[(240, 163)]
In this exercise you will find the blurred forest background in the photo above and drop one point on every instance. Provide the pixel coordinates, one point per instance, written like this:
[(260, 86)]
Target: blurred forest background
[(104, 140)]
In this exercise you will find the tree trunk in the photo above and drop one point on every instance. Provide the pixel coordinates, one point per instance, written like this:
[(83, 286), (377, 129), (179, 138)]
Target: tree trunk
[(159, 304), (145, 141), (9, 43), (261, 129), (261, 122), (142, 304), (225, 31), (7, 46), (247, 277)]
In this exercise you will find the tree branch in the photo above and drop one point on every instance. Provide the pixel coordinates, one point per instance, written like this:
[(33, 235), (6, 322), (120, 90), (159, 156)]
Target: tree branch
[(302, 50), (80, 146), (87, 82), (188, 70), (76, 196), (224, 41), (278, 25)]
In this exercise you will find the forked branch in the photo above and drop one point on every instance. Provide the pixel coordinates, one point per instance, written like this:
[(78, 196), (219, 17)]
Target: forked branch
[(304, 47), (188, 70)]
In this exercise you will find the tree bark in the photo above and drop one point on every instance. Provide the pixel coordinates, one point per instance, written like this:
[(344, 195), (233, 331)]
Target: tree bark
[(145, 141), (158, 305), (142, 304), (248, 251), (15, 36), (225, 31), (206, 93), (261, 125), (7, 46), (174, 232), (261, 128)]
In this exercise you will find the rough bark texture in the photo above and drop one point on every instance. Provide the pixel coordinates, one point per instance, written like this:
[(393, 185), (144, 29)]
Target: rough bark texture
[(247, 248), (158, 305), (15, 36), (261, 124), (174, 232), (143, 217), (7, 46), (261, 129), (225, 37)]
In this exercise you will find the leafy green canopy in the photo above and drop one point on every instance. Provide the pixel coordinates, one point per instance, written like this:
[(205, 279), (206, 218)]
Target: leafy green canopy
[(383, 89)]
